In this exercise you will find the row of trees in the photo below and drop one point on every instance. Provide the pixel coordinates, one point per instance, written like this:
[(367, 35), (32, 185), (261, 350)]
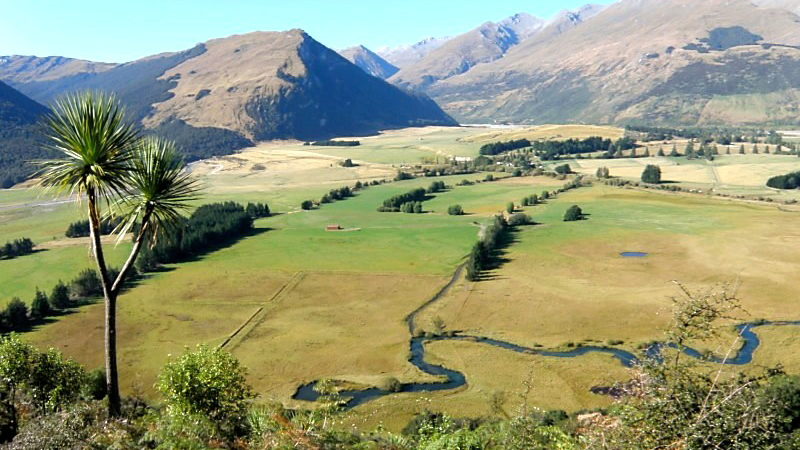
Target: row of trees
[(332, 143), (490, 240), (83, 288), (550, 150), (788, 181), (411, 208), (337, 194), (81, 227), (209, 227), (17, 247), (495, 148), (257, 210), (480, 258), (394, 203)]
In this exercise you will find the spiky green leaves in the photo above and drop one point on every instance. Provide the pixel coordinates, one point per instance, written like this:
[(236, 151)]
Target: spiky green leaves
[(157, 185), (96, 145)]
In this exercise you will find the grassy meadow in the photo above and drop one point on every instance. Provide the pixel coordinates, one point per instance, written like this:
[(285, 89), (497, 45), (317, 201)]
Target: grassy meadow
[(296, 303)]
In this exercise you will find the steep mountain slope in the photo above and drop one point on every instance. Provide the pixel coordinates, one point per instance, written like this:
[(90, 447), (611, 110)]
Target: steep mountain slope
[(486, 43), (221, 95), (20, 137), (674, 61), (405, 55), (369, 62), (22, 69), (271, 85)]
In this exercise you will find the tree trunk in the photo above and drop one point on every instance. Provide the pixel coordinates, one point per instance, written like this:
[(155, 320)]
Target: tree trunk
[(112, 379)]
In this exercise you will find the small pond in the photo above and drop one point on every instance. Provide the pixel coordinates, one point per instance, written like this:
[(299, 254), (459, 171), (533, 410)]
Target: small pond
[(633, 254)]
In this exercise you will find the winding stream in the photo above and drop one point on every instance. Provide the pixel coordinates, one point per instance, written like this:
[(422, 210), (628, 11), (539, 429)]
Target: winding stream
[(454, 379)]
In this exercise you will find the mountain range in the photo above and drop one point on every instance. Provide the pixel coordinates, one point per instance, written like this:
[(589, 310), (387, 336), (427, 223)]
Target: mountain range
[(635, 61), (369, 61), (226, 93)]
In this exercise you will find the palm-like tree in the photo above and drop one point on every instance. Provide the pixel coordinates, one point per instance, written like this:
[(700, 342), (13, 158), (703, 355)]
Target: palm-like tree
[(104, 160)]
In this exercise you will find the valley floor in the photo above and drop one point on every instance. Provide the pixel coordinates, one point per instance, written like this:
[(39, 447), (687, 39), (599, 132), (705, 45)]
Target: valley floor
[(296, 303)]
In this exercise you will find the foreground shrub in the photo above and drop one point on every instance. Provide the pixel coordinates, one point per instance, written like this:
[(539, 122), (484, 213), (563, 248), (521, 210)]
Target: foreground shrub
[(205, 390)]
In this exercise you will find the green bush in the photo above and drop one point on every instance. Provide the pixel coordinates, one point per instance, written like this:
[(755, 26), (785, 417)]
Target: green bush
[(455, 210), (208, 384), (573, 213), (651, 174)]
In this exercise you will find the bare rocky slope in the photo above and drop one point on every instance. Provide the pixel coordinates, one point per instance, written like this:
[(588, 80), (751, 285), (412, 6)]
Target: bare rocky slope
[(654, 61), (223, 94), (485, 44), (369, 61)]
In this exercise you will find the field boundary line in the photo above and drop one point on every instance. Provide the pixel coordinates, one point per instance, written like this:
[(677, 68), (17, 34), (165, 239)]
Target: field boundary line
[(258, 316), (233, 335)]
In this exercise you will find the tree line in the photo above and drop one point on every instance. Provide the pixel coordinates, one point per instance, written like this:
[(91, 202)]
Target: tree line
[(332, 143), (81, 227), (17, 247), (394, 204), (209, 227), (490, 240), (495, 148), (17, 316), (788, 181)]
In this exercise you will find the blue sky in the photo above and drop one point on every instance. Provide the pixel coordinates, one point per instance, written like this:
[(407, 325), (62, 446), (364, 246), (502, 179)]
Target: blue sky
[(123, 30)]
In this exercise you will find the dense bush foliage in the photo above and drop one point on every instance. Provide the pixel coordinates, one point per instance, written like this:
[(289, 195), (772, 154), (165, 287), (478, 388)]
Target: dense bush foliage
[(19, 144), (573, 214), (455, 210), (563, 169), (209, 385), (401, 175), (436, 186), (789, 181), (17, 247), (209, 227), (651, 174), (495, 148), (257, 210), (81, 227)]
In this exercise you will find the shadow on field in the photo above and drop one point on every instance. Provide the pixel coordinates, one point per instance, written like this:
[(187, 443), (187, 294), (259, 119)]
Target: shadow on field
[(499, 256), (221, 245), (133, 280)]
